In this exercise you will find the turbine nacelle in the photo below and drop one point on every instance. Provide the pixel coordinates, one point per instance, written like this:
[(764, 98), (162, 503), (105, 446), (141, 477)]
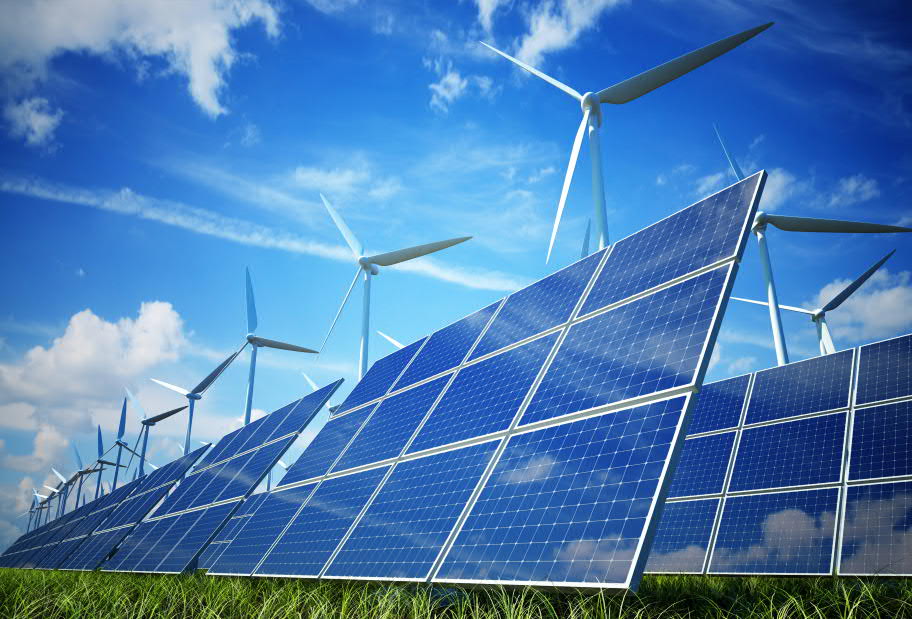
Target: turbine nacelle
[(591, 101), (370, 267)]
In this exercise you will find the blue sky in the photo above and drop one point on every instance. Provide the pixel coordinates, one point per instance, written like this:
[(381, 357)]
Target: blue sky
[(152, 151)]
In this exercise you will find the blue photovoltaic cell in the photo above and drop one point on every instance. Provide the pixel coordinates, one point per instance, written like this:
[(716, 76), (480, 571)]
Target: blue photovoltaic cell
[(649, 345), (885, 370), (326, 447), (792, 453), (94, 550), (671, 247), (391, 425), (877, 530), (608, 468), (260, 531), (380, 377), (197, 536), (222, 447), (718, 405), (682, 538), (447, 348), (536, 308), (484, 397), (317, 530), (814, 385), (304, 413), (702, 466), (403, 530), (158, 542), (781, 533), (253, 471), (882, 441)]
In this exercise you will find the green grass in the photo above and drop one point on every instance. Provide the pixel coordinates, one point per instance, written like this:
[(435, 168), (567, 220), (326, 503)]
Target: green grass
[(28, 593)]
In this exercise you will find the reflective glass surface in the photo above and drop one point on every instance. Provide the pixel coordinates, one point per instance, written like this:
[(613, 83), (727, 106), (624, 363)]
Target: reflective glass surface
[(817, 384), (718, 405), (197, 536), (792, 453), (701, 234), (380, 377), (447, 348), (568, 503), (326, 446), (260, 531), (318, 528), (682, 538), (407, 523), (536, 308), (885, 370), (780, 533), (882, 441), (649, 345), (391, 425), (702, 466), (484, 397), (93, 550), (877, 534)]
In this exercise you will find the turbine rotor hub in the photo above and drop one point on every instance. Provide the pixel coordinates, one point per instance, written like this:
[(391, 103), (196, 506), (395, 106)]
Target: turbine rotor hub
[(590, 100), (371, 268)]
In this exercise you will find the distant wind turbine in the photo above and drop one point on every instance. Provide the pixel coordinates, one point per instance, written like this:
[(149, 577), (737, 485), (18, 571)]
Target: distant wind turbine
[(818, 316), (622, 92), (793, 224), (389, 339), (121, 428), (196, 393), (369, 266), (147, 423), (257, 342)]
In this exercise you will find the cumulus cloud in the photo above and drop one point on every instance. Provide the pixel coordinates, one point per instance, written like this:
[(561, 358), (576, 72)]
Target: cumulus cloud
[(852, 190), (878, 537), (780, 186), (486, 10), (452, 85), (709, 184), (193, 39), (32, 120), (48, 445), (554, 26)]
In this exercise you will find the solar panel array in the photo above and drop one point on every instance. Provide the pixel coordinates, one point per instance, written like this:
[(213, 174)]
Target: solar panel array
[(800, 469), (526, 443), (190, 517)]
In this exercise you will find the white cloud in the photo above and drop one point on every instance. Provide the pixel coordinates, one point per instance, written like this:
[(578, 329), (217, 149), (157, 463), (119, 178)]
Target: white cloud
[(335, 181), (877, 310), (49, 444), (332, 6), (881, 542), (554, 26), (486, 10), (538, 468), (661, 179), (250, 135), (780, 186), (384, 23), (542, 174), (853, 190), (709, 184), (193, 38), (447, 89), (32, 120)]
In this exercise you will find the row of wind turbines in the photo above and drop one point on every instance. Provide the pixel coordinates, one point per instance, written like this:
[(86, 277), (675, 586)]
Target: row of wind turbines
[(368, 266)]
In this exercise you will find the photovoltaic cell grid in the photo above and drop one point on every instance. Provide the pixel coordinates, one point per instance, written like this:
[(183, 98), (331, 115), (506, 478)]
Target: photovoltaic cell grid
[(592, 506), (804, 479)]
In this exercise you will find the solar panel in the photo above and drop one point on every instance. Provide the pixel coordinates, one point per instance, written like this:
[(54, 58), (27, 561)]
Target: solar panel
[(885, 370), (719, 405), (703, 465), (380, 377), (795, 459)]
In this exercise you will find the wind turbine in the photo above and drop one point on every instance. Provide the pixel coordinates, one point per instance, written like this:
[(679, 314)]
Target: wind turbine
[(369, 266), (793, 224), (121, 428), (622, 92), (818, 316), (389, 339), (82, 473), (197, 392), (257, 342), (66, 487), (147, 423)]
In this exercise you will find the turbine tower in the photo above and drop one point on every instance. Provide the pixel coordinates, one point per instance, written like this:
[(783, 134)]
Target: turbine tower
[(121, 428), (101, 466), (369, 266), (257, 342), (197, 392), (818, 316), (792, 224), (622, 92)]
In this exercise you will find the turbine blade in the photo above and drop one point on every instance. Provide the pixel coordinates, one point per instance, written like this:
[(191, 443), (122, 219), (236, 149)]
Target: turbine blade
[(151, 421), (574, 154), (100, 442), (645, 82), (53, 490), (390, 340), (310, 382), (262, 341), (348, 235), (731, 162), (585, 251), (206, 382), (851, 288), (341, 307), (813, 224), (251, 305), (140, 411), (283, 465), (123, 421), (59, 476), (175, 388), (78, 457), (401, 255), (536, 73), (785, 307)]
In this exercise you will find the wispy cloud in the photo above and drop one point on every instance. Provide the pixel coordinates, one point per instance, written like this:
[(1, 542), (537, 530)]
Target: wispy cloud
[(554, 26)]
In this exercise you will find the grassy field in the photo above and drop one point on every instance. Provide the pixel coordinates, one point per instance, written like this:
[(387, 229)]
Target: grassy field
[(85, 595)]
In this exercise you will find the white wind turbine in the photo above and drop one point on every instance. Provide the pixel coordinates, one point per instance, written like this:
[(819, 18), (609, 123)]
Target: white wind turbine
[(818, 316), (368, 266), (399, 345), (622, 92), (794, 224)]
